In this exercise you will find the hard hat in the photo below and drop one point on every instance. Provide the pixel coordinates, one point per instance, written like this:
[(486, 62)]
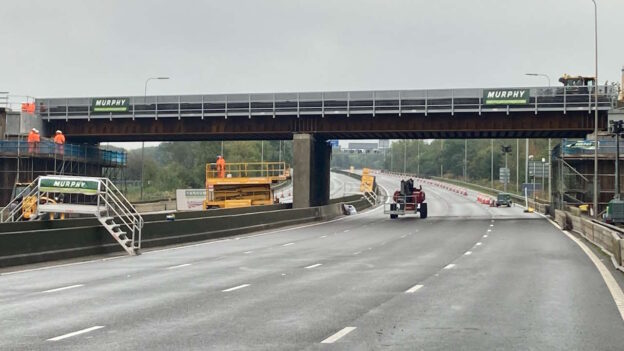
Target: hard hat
[(34, 129), (58, 132)]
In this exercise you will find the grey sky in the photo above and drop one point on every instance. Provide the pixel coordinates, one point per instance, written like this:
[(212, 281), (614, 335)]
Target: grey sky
[(82, 48), (100, 48)]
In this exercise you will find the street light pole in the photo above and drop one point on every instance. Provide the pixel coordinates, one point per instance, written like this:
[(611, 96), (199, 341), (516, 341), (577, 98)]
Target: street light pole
[(539, 75), (404, 156), (596, 110), (465, 160), (143, 143), (492, 163)]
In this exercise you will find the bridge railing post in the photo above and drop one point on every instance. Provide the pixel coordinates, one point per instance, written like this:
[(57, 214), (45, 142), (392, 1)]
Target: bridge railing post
[(399, 103), (564, 100), (426, 101)]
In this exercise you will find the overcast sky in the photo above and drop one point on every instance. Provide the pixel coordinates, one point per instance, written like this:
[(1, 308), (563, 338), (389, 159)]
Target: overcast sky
[(102, 48)]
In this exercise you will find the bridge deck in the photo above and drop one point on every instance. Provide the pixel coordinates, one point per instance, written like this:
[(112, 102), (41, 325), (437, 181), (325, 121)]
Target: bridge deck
[(330, 103)]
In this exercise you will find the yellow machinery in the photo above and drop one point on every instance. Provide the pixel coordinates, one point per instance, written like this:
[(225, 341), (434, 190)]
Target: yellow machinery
[(29, 203), (242, 184), (368, 181)]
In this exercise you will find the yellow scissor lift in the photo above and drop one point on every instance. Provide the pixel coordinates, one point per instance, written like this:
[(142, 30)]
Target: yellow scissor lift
[(243, 184)]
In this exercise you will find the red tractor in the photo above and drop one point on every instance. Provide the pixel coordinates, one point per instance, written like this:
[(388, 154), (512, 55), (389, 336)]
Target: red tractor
[(408, 199)]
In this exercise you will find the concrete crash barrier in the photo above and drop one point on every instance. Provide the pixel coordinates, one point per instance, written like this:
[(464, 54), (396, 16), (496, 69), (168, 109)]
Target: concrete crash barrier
[(602, 235), (32, 242)]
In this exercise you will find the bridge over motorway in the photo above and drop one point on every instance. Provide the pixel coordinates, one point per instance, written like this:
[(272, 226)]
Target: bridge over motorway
[(312, 118)]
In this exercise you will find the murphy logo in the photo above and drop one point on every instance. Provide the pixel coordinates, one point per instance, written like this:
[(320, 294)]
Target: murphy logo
[(80, 186), (110, 104), (506, 96)]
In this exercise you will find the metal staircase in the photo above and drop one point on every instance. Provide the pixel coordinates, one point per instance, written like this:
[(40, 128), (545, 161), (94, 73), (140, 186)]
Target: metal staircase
[(120, 218), (102, 199), (371, 197)]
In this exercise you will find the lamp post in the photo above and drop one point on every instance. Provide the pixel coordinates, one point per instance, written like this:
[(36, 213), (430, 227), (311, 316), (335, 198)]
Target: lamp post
[(596, 110), (143, 143), (539, 75), (530, 158)]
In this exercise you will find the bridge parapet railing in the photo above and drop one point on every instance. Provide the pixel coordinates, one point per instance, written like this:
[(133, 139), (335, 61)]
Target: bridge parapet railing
[(331, 103)]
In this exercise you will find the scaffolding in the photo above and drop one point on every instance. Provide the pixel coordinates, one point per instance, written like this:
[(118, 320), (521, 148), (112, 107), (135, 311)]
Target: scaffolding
[(573, 171), (22, 162)]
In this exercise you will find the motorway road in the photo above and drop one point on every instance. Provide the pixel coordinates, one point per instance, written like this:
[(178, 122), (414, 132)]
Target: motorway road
[(469, 277), (340, 185)]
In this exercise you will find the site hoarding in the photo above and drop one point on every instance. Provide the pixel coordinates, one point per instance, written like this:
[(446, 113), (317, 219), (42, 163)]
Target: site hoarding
[(190, 199), (86, 186), (506, 96), (121, 104)]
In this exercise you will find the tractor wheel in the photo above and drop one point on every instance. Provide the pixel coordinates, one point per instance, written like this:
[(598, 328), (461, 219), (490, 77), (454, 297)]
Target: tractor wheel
[(423, 210), (394, 216)]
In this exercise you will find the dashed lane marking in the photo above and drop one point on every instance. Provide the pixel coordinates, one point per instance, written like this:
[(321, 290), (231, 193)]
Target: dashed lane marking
[(288, 244), (485, 235), (63, 288), (236, 288), (478, 244), (332, 339), (248, 252), (449, 266), (468, 253), (313, 266), (69, 335), (413, 289), (179, 266)]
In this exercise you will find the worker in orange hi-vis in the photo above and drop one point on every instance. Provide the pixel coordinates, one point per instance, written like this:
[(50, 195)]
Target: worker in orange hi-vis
[(32, 137), (59, 142), (221, 166)]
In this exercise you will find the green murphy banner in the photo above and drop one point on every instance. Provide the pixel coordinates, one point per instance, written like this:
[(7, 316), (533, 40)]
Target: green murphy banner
[(74, 186), (110, 104), (506, 96)]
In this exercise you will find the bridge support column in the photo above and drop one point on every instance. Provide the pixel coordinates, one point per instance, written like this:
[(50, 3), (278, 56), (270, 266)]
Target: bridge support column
[(311, 158)]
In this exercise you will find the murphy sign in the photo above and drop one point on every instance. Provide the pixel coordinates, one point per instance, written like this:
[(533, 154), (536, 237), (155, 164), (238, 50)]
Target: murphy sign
[(506, 96), (110, 104), (66, 185)]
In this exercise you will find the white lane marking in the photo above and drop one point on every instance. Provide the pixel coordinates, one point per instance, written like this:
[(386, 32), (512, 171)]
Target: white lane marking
[(248, 252), (491, 225), (485, 235), (449, 266), (314, 266), (489, 230), (614, 288), (346, 230), (332, 339), (288, 244), (478, 244), (413, 289), (69, 335), (63, 288), (403, 236), (236, 288), (357, 253), (468, 253), (323, 236), (179, 266)]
